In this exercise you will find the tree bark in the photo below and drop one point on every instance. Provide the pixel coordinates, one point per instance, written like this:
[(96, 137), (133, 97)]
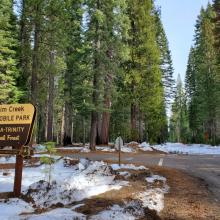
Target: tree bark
[(25, 55), (141, 128), (134, 132), (95, 95), (50, 100), (35, 61), (99, 129), (68, 117), (105, 122), (35, 69)]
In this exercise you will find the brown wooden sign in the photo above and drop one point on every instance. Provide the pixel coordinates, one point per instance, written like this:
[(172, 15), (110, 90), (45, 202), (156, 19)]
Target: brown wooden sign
[(16, 123)]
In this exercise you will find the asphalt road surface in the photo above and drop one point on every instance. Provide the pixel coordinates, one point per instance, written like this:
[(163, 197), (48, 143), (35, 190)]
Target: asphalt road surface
[(206, 167)]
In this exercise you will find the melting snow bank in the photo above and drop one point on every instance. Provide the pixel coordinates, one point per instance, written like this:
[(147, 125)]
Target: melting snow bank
[(196, 149), (127, 166), (77, 182), (87, 179), (145, 147)]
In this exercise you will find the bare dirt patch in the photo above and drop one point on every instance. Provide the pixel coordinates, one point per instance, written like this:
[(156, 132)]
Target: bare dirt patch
[(188, 198)]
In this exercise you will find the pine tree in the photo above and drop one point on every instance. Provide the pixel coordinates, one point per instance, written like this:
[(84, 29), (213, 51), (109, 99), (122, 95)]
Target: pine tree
[(216, 7), (144, 77), (179, 119), (75, 77), (201, 80), (8, 59), (166, 60), (190, 86), (105, 32)]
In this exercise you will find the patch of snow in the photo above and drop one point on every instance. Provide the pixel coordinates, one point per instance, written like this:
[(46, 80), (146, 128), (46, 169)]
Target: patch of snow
[(55, 157), (145, 147), (124, 173), (12, 208), (69, 148), (86, 179), (131, 211), (39, 148), (85, 150), (77, 206), (154, 178), (127, 166), (10, 159), (193, 149), (105, 149), (126, 149), (153, 199)]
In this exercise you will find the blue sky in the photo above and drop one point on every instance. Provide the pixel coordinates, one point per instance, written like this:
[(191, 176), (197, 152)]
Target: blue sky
[(179, 17)]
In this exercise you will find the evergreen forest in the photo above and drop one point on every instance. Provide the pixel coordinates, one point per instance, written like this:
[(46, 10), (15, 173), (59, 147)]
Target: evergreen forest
[(99, 69)]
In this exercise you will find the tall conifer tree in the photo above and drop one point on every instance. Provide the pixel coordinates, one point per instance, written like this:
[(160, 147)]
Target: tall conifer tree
[(8, 49)]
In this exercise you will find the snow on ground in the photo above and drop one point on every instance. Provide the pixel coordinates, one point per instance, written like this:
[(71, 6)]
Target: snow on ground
[(195, 149), (70, 148), (127, 166), (127, 149), (58, 214), (10, 159), (155, 178), (105, 148), (75, 183), (145, 147), (39, 148), (130, 211), (10, 210), (153, 198), (55, 157), (88, 179)]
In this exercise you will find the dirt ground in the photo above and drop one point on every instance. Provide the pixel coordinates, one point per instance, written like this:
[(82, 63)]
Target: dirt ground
[(188, 198)]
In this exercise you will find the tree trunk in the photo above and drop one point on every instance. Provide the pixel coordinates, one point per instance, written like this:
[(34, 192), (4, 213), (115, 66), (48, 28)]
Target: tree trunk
[(134, 132), (25, 55), (99, 129), (62, 126), (50, 100), (105, 122), (35, 69), (95, 95), (35, 61), (68, 117), (141, 128), (93, 132)]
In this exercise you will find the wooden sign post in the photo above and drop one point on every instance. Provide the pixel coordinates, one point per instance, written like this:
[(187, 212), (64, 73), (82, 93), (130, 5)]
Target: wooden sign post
[(16, 125)]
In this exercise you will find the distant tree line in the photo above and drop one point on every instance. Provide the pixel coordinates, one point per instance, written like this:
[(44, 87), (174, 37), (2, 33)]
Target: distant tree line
[(196, 110)]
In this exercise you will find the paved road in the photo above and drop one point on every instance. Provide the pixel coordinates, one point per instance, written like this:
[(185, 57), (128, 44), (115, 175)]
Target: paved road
[(206, 167)]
